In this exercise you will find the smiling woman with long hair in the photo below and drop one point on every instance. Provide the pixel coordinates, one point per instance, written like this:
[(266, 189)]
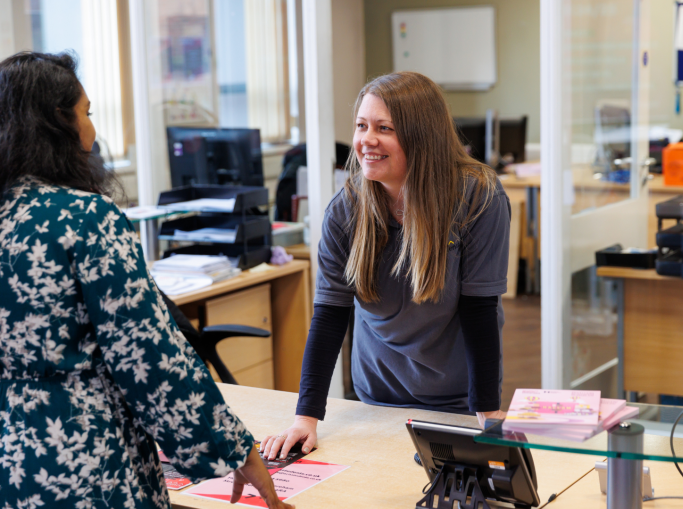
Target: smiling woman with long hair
[(418, 240), (93, 369)]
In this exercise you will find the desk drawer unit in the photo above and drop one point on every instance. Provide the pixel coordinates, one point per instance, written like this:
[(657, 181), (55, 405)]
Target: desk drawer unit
[(250, 360)]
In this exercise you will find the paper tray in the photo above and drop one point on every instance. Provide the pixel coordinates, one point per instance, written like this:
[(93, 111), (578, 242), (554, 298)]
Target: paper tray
[(614, 256), (671, 237), (670, 264), (246, 197), (670, 209), (245, 229)]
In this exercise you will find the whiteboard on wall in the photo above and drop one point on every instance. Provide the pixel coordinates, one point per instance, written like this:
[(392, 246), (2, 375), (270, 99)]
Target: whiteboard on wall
[(455, 47)]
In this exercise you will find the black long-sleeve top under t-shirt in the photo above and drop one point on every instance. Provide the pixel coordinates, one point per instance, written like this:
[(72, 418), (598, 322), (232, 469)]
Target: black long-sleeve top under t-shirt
[(479, 321)]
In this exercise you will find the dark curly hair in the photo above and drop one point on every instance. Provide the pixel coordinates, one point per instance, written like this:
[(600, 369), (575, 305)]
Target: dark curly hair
[(38, 132)]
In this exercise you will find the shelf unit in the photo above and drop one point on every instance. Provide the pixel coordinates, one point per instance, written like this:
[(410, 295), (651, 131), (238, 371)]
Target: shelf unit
[(251, 237)]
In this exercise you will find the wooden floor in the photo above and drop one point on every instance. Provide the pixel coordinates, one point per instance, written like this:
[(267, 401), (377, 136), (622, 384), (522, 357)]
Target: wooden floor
[(521, 345)]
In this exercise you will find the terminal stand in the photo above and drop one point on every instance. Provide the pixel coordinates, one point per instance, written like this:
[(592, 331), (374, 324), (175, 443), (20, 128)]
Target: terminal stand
[(454, 482)]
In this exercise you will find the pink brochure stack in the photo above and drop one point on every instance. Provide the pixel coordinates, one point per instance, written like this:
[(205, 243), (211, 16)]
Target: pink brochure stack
[(568, 415)]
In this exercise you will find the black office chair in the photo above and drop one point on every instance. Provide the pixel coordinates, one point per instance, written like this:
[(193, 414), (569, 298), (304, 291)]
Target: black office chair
[(286, 186), (205, 343)]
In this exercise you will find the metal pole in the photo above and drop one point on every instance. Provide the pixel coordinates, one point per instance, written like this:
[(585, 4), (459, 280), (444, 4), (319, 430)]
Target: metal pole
[(625, 476)]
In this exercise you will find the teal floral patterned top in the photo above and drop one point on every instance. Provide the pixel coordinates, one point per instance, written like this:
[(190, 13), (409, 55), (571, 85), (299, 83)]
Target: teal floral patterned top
[(93, 369)]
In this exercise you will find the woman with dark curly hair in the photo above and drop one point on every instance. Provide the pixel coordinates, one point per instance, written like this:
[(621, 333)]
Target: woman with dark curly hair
[(93, 370)]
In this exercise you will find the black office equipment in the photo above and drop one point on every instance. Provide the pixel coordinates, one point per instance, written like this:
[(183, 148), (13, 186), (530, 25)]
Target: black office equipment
[(670, 240), (247, 199), (511, 142), (617, 256), (472, 134), (248, 230), (199, 155), (471, 473), (287, 185)]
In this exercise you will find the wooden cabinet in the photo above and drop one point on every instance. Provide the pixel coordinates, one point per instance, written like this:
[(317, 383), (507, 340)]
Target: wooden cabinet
[(249, 359), (288, 317)]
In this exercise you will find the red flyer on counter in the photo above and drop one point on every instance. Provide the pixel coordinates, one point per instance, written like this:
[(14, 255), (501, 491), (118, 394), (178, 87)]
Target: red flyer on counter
[(289, 481)]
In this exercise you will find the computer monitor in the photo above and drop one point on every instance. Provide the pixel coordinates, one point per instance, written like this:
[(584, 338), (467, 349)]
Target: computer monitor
[(512, 134), (513, 140), (472, 134), (612, 135), (199, 155), (460, 468)]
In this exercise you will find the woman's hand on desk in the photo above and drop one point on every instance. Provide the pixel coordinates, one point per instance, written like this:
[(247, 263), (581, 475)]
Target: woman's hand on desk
[(254, 472), (303, 430), (496, 414)]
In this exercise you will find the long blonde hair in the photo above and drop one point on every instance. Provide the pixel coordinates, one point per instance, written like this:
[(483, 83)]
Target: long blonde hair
[(433, 193)]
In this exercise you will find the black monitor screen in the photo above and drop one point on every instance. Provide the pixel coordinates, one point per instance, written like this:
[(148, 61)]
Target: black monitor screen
[(513, 139), (199, 155), (512, 132), (503, 473), (472, 134)]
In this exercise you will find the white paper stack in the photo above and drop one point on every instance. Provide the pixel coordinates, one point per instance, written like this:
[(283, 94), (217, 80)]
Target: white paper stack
[(203, 205), (145, 212), (185, 273), (568, 415), (207, 235)]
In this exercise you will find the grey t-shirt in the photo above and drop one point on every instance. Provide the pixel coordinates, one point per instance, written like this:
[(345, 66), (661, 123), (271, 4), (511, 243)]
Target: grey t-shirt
[(407, 354)]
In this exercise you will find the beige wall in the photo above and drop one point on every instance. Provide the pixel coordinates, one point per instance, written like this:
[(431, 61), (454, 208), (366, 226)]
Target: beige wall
[(517, 91), (348, 63)]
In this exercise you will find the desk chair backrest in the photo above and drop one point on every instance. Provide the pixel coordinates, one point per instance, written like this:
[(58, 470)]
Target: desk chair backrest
[(205, 343)]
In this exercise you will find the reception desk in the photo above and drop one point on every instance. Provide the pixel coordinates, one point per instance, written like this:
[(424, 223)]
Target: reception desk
[(374, 442)]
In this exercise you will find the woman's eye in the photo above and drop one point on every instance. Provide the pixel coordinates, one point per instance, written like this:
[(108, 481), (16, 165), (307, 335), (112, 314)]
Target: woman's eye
[(360, 126), (385, 128), (89, 113)]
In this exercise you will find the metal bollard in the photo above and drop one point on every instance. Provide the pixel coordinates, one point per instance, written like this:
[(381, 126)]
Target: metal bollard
[(624, 476)]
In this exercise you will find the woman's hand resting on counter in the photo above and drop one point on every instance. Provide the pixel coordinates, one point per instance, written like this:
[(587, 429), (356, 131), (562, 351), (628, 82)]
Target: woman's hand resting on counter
[(496, 414), (255, 473), (303, 430)]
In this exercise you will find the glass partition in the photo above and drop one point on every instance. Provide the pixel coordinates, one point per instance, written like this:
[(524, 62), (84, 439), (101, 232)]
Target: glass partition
[(656, 419), (604, 81), (600, 50)]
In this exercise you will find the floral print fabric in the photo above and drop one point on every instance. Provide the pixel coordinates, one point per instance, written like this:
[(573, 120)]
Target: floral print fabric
[(92, 367)]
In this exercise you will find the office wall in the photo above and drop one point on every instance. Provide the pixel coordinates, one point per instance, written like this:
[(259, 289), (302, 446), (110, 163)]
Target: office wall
[(348, 63), (517, 91)]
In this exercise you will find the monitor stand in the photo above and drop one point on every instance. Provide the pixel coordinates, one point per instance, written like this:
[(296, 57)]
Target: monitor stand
[(454, 482)]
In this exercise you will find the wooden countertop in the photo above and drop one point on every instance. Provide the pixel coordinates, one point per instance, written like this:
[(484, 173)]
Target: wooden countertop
[(627, 273), (299, 251), (245, 279), (583, 179), (374, 442)]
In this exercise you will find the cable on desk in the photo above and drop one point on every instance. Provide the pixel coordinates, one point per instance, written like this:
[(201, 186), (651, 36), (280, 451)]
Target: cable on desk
[(671, 442), (555, 495), (429, 485), (658, 498)]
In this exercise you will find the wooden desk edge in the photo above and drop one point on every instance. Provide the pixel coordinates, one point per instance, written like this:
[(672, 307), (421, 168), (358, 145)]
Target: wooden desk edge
[(627, 273), (244, 280)]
